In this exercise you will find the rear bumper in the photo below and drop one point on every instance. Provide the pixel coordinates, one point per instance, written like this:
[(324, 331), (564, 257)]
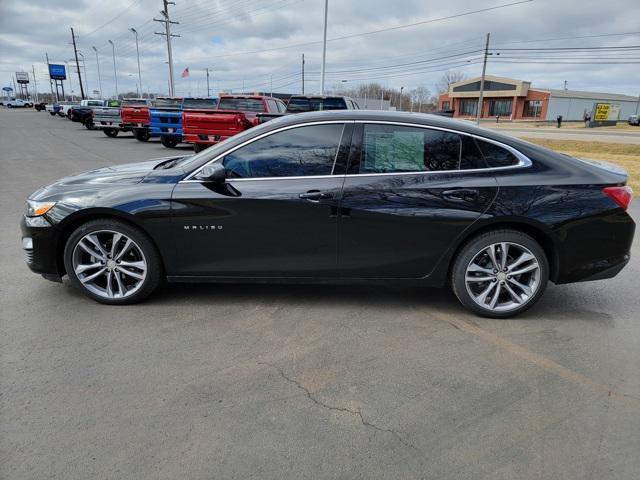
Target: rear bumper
[(204, 138)]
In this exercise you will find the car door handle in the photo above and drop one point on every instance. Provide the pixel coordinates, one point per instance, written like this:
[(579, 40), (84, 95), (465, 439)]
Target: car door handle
[(461, 193), (315, 195)]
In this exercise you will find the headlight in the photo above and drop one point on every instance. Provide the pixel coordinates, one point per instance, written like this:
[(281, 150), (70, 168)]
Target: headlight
[(37, 209)]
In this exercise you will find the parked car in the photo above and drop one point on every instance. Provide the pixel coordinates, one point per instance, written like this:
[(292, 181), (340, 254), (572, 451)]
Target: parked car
[(40, 106), (203, 127), (312, 103), (135, 116), (166, 117), (83, 112), (65, 108), (345, 196), (634, 120), (19, 103), (53, 109), (108, 118)]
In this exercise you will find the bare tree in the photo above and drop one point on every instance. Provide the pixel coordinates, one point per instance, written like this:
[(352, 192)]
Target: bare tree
[(449, 77)]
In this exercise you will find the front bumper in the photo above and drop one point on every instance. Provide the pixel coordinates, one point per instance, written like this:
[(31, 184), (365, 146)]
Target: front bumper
[(39, 244)]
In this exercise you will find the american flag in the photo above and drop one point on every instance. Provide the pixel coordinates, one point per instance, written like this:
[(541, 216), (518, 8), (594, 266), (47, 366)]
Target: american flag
[(185, 72)]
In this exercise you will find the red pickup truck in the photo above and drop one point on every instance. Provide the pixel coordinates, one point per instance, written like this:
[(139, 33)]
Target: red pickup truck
[(135, 115), (235, 113)]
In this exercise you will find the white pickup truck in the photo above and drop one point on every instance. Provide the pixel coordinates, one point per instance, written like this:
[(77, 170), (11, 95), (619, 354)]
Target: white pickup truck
[(18, 103)]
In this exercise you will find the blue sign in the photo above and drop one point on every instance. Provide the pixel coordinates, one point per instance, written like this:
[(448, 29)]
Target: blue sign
[(7, 89), (57, 72)]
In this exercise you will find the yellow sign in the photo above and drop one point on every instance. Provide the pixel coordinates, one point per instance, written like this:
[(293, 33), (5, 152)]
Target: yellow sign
[(602, 111)]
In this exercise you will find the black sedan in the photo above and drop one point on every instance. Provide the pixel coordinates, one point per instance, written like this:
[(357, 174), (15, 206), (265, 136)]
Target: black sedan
[(349, 196)]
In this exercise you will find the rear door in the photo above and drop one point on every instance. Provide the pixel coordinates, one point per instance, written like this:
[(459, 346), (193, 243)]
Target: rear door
[(276, 215), (409, 193)]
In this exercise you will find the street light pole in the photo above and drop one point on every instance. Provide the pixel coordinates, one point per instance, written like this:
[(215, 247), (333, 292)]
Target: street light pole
[(324, 47), (208, 90), (115, 73), (99, 77), (138, 53), (400, 107), (84, 66)]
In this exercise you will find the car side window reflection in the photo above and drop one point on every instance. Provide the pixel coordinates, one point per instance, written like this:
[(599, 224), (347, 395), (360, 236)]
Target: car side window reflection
[(301, 151), (400, 149)]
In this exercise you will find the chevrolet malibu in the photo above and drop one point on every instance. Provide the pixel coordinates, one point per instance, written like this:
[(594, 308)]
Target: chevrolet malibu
[(340, 196)]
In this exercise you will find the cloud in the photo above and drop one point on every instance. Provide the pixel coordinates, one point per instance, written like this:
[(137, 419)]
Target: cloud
[(215, 34)]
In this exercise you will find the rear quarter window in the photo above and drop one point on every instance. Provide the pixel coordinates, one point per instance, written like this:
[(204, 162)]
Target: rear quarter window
[(495, 155)]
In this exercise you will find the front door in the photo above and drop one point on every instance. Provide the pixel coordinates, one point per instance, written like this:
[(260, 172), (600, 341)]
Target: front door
[(276, 215), (409, 193)]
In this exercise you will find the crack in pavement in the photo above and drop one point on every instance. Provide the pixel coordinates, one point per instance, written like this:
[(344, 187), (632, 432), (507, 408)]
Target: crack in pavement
[(357, 413)]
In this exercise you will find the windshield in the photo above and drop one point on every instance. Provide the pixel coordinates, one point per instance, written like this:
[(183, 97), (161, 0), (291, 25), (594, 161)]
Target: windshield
[(134, 101), (242, 104), (301, 104), (200, 103), (168, 102)]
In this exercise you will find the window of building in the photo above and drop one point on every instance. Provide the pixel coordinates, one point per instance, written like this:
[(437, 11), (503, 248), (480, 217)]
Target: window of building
[(301, 151), (500, 108), (533, 108), (468, 107), (445, 105)]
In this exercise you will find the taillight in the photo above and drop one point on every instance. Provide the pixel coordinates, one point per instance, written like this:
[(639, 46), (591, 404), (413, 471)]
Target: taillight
[(621, 195)]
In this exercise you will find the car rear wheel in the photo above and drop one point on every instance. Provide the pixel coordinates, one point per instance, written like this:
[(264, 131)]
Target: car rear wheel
[(53, 114), (198, 147), (500, 274), (88, 123), (142, 135), (112, 262), (169, 142), (110, 132)]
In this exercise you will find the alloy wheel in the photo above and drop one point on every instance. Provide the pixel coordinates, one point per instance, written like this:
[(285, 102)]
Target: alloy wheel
[(109, 264), (503, 277)]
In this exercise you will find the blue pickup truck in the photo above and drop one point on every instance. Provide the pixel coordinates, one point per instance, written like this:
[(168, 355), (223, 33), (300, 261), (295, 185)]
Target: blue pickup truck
[(165, 117)]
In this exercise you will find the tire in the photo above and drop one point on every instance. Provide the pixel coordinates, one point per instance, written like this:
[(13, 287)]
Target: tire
[(110, 132), (142, 135), (88, 124), (473, 263), (168, 142), (113, 286), (198, 147), (53, 114)]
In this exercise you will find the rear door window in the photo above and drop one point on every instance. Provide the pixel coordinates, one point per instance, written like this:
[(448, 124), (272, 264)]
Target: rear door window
[(495, 155)]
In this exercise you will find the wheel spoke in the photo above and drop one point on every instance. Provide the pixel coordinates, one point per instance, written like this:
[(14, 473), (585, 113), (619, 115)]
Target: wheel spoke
[(91, 251), (94, 275), (491, 250), (504, 249), (83, 268), (94, 240), (136, 275), (479, 279), (483, 296), (114, 242), (525, 289), (494, 299), (525, 257), (121, 289), (109, 285), (528, 268), (140, 265), (514, 295), (474, 267), (124, 250)]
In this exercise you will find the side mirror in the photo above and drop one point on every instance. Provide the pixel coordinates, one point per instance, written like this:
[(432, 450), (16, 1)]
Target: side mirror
[(214, 173)]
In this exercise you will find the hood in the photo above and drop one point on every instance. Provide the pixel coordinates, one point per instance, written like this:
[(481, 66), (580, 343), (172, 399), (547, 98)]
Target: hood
[(117, 175)]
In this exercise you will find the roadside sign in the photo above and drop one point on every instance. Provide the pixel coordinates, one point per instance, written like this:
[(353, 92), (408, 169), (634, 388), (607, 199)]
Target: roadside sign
[(22, 77), (7, 89), (57, 71), (606, 112)]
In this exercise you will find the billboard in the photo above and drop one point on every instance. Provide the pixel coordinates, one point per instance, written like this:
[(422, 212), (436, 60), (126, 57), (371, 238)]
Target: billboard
[(22, 77), (57, 71), (606, 112)]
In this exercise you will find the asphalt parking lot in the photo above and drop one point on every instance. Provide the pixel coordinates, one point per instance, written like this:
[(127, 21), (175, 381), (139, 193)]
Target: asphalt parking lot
[(271, 382)]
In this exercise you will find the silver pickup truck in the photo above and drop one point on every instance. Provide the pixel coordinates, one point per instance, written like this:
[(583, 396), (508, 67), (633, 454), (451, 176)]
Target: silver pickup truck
[(108, 119)]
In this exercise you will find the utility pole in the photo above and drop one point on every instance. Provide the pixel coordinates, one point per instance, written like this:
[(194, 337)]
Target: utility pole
[(138, 53), (324, 47), (382, 99), (99, 76), (303, 74), (35, 82), (484, 70), (566, 85), (400, 107), (208, 91), (75, 50), (167, 33), (115, 72)]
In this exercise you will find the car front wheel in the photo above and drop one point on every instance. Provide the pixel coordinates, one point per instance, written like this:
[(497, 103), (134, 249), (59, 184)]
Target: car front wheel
[(112, 262), (168, 142), (110, 132), (500, 273)]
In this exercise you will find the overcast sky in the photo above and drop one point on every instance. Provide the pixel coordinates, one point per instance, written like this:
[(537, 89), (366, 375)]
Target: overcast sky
[(254, 43)]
